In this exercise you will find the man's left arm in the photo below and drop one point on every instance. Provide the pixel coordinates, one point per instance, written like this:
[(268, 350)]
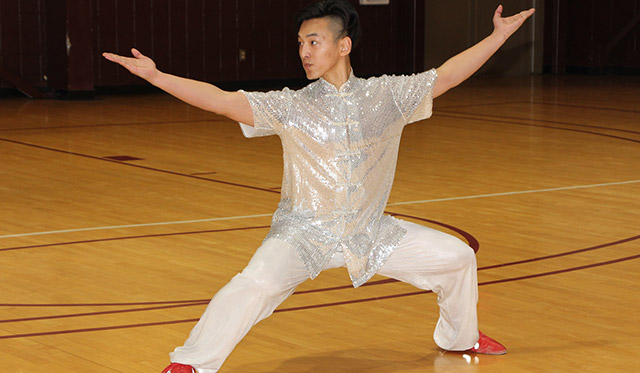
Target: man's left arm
[(460, 67)]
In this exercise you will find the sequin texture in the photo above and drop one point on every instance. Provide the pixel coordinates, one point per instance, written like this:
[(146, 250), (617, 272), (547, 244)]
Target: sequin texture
[(340, 149)]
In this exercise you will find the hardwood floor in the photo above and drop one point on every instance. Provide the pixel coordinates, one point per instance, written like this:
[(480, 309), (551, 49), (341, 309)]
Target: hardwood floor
[(107, 263)]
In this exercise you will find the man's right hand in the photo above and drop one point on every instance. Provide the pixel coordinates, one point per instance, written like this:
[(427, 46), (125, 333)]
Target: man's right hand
[(233, 105), (140, 65)]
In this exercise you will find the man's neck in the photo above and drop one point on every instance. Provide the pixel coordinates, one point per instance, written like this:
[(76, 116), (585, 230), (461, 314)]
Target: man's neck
[(339, 74)]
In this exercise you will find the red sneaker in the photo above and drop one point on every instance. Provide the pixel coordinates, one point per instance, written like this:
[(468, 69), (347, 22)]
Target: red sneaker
[(179, 368), (488, 346)]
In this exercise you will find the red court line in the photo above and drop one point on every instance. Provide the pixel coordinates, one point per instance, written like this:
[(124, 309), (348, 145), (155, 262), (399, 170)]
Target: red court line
[(99, 329), (561, 254), (390, 280), (342, 287), (472, 241), (483, 104), (109, 125), (573, 269), (539, 125), (98, 313), (132, 237), (58, 305), (323, 305), (585, 107), (190, 303), (537, 120), (137, 166), (538, 103)]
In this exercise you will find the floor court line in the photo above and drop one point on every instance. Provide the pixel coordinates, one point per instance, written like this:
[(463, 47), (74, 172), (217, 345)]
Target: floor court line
[(134, 226), (266, 215), (313, 306), (515, 193)]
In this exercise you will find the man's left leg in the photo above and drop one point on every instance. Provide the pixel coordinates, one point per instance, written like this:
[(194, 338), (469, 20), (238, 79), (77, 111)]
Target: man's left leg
[(433, 260)]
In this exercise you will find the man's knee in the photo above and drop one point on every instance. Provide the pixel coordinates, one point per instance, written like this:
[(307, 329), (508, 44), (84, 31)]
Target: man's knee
[(267, 282), (467, 255), (459, 254), (275, 268)]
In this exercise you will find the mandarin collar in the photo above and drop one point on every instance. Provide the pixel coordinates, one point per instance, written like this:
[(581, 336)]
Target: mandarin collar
[(345, 87)]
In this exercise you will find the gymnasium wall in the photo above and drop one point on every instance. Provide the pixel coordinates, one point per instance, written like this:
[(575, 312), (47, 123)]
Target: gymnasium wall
[(454, 25), (56, 44), (22, 40), (592, 36)]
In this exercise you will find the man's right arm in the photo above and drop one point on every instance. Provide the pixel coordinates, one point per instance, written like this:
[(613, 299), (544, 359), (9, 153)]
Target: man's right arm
[(233, 105)]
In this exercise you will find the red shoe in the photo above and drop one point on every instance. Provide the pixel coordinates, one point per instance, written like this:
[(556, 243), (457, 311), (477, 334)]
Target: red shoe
[(488, 346), (179, 368)]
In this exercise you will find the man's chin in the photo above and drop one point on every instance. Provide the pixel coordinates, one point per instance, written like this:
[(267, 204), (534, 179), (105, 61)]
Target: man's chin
[(311, 75)]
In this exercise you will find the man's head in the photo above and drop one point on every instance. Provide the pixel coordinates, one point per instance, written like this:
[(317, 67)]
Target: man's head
[(345, 19), (327, 32)]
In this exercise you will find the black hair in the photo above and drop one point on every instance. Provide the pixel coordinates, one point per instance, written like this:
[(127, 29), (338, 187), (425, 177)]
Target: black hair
[(339, 10)]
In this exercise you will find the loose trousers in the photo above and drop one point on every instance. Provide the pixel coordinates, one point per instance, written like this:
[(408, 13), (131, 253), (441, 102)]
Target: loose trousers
[(426, 258)]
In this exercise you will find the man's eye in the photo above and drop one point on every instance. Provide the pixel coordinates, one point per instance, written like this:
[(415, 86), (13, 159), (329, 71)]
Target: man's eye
[(314, 42)]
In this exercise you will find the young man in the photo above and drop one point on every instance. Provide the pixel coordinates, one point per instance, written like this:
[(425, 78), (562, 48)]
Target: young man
[(340, 137)]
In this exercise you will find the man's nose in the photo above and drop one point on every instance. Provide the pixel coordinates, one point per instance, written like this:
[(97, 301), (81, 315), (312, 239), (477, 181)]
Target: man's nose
[(304, 51)]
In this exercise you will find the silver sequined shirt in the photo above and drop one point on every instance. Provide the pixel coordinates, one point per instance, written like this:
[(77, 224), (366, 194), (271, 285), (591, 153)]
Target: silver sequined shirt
[(340, 149)]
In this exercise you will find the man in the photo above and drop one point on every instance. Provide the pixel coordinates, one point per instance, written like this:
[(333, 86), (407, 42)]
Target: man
[(340, 138)]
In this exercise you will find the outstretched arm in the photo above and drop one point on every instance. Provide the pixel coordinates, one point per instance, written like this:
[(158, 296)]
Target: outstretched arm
[(233, 105), (460, 67)]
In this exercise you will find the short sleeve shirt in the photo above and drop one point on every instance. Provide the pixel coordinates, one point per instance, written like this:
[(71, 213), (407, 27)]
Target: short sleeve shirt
[(340, 148)]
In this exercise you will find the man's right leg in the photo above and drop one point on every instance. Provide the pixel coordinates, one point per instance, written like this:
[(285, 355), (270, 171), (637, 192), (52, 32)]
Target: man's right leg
[(270, 277)]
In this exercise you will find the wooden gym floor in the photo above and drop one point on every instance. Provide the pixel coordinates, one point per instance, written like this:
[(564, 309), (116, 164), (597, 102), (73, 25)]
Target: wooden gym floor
[(121, 217)]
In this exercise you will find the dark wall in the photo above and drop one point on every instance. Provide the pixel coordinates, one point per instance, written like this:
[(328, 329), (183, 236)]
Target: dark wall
[(592, 36), (236, 40), (455, 25), (205, 40), (23, 40), (56, 44)]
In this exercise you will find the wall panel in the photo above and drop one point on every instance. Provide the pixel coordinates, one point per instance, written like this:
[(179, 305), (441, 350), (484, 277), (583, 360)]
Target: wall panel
[(454, 25), (246, 39), (179, 38), (31, 42), (289, 37), (592, 36), (195, 49), (105, 38), (200, 39), (23, 40), (10, 35), (212, 31), (228, 49)]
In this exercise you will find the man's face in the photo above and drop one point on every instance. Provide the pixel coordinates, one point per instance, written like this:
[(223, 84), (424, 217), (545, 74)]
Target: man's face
[(318, 48)]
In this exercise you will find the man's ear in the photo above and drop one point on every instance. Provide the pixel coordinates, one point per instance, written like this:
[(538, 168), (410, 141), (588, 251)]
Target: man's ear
[(345, 46)]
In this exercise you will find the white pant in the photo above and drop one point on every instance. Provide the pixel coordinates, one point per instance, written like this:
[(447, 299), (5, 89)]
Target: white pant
[(425, 258)]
